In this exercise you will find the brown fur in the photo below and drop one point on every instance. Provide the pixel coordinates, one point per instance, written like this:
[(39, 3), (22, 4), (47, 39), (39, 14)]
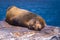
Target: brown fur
[(21, 17)]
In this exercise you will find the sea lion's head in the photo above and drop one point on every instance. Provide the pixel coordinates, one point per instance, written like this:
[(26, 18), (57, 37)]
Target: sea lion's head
[(36, 24)]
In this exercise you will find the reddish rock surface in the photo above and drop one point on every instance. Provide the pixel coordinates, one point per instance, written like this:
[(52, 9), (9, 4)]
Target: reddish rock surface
[(10, 32)]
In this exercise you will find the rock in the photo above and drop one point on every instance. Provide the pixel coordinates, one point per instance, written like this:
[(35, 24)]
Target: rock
[(9, 32)]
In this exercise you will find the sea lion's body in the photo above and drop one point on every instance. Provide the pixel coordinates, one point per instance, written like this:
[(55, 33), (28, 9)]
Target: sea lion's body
[(21, 17)]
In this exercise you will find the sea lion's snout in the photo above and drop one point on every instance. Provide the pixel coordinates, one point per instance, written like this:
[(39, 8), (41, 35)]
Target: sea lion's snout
[(37, 25)]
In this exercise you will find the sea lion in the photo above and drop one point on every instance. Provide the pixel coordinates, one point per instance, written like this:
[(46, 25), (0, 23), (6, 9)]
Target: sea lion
[(25, 18)]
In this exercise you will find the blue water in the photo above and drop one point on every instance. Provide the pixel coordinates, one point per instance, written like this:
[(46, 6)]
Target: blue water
[(48, 9)]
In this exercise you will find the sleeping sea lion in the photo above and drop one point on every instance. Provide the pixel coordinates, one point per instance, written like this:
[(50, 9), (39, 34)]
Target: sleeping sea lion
[(24, 18)]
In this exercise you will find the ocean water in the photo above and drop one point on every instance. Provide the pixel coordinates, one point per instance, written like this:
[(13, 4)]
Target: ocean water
[(48, 9)]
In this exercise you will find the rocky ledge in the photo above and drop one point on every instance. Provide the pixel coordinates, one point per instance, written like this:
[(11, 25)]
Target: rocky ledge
[(9, 32)]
